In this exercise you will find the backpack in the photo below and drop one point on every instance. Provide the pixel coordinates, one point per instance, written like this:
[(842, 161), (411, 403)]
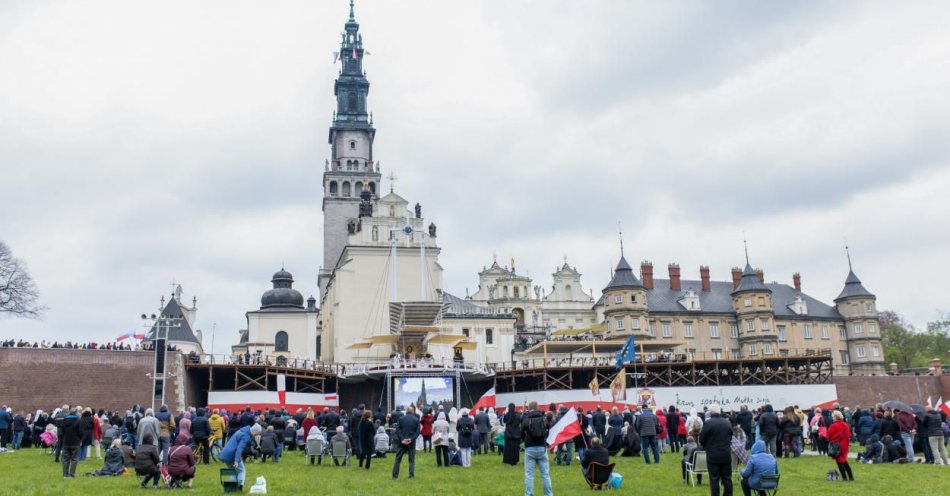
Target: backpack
[(467, 429), (537, 427), (834, 450)]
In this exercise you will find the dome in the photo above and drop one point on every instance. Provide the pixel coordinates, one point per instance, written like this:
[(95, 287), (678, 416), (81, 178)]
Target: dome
[(283, 294)]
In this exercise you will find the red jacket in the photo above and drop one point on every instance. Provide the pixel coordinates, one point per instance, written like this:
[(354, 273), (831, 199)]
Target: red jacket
[(840, 433), (96, 428), (426, 424), (308, 423)]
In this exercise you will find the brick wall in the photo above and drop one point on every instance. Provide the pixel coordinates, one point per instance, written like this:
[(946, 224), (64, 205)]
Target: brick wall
[(869, 390), (112, 380)]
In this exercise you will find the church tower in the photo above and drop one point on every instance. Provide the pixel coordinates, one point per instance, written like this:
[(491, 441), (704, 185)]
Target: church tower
[(351, 168)]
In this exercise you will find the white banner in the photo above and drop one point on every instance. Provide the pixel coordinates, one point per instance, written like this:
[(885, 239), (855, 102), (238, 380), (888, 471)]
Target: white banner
[(685, 398)]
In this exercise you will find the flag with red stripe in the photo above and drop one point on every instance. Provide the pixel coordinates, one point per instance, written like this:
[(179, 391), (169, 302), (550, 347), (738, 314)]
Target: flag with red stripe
[(486, 401), (944, 407), (564, 430)]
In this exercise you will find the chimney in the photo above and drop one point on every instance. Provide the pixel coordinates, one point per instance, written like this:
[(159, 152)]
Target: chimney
[(704, 275), (646, 274), (761, 275), (797, 279), (736, 277), (674, 276)]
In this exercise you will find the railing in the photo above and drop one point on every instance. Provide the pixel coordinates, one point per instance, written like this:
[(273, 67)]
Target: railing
[(342, 369)]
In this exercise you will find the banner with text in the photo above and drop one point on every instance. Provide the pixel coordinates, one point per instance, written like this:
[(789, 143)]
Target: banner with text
[(684, 398)]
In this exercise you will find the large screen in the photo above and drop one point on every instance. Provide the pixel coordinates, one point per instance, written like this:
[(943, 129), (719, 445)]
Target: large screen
[(424, 392)]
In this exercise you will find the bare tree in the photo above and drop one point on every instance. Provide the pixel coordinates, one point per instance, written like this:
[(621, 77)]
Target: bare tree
[(18, 294)]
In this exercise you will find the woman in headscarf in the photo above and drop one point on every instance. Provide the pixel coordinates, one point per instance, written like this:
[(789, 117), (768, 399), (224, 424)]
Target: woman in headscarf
[(115, 463), (184, 427), (512, 421), (440, 439), (181, 460), (453, 419)]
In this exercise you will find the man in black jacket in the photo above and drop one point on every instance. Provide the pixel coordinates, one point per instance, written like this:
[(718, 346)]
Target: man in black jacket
[(933, 432), (715, 438), (599, 422), (277, 421), (744, 419), (768, 428), (535, 431), (483, 425), (596, 453), (407, 431), (72, 440), (201, 431)]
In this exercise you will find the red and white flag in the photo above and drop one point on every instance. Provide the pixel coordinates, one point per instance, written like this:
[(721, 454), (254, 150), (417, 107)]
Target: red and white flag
[(929, 403), (487, 401), (944, 407), (282, 389), (564, 430)]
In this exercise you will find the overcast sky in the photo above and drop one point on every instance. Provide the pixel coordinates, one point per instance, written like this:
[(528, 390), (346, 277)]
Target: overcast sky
[(145, 142)]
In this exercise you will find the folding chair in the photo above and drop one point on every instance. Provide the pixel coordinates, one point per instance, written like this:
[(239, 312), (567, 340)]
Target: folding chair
[(697, 467), (338, 450), (768, 484), (598, 475), (315, 448)]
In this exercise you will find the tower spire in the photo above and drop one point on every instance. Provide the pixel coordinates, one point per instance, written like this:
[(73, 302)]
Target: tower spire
[(745, 244), (847, 252), (620, 229), (352, 15)]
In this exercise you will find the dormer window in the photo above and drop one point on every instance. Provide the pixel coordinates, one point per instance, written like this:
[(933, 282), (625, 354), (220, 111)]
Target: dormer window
[(798, 306), (352, 145), (690, 301)]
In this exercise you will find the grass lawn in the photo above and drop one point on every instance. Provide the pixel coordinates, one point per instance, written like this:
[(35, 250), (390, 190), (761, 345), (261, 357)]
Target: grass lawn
[(33, 472)]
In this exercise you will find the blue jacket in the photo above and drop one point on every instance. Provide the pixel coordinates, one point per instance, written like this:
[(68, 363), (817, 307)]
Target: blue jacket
[(5, 420), (760, 463), (235, 447), (865, 425)]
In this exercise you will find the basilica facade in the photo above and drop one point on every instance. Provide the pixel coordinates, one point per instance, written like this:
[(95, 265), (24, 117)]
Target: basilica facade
[(382, 295)]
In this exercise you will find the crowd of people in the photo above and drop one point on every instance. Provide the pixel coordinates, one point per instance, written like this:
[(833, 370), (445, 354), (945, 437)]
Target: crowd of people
[(165, 446)]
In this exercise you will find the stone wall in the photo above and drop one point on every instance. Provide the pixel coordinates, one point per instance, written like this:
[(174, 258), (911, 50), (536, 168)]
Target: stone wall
[(869, 390), (113, 380)]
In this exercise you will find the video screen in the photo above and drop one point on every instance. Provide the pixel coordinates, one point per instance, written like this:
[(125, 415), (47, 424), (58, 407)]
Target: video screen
[(424, 392)]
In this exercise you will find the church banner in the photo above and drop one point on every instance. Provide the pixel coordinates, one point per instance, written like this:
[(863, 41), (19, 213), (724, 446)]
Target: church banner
[(684, 398), (260, 400)]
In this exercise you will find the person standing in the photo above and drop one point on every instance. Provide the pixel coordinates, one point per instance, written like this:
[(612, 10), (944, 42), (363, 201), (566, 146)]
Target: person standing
[(280, 425), (201, 432), (367, 437), (535, 430), (648, 426), (5, 421), (20, 426), (465, 426), (840, 433), (483, 425), (166, 423), (673, 420), (744, 419), (72, 434), (716, 438), (769, 428), (88, 422), (427, 421), (933, 429), (512, 421), (407, 431), (440, 433), (599, 422), (908, 429)]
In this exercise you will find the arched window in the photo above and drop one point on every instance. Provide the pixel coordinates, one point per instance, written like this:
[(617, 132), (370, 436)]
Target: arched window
[(504, 291), (333, 188), (375, 233), (567, 288), (517, 292), (358, 188), (372, 188), (346, 188), (280, 341), (352, 145)]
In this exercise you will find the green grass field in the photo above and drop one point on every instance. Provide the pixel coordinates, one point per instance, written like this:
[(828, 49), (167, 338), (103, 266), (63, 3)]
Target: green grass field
[(33, 472)]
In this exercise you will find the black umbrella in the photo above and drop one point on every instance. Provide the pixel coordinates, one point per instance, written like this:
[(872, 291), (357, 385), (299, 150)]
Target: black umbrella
[(918, 409), (897, 405)]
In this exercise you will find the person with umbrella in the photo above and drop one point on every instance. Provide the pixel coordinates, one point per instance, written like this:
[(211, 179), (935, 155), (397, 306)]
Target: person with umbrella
[(907, 425)]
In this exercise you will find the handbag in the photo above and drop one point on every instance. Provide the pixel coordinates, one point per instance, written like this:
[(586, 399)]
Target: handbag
[(615, 480), (834, 450), (437, 439)]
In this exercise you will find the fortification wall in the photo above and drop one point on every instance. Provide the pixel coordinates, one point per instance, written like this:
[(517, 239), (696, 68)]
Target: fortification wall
[(38, 378)]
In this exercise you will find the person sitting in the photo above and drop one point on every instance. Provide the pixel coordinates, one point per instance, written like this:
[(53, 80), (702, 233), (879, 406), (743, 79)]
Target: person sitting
[(874, 450), (596, 453), (895, 452), (342, 437), (381, 442), (691, 447), (737, 445), (113, 464), (147, 461), (128, 454), (760, 463), (269, 444), (181, 461)]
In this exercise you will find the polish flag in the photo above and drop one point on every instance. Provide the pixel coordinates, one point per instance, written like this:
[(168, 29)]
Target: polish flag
[(564, 430), (282, 389), (944, 407), (487, 400), (929, 403)]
